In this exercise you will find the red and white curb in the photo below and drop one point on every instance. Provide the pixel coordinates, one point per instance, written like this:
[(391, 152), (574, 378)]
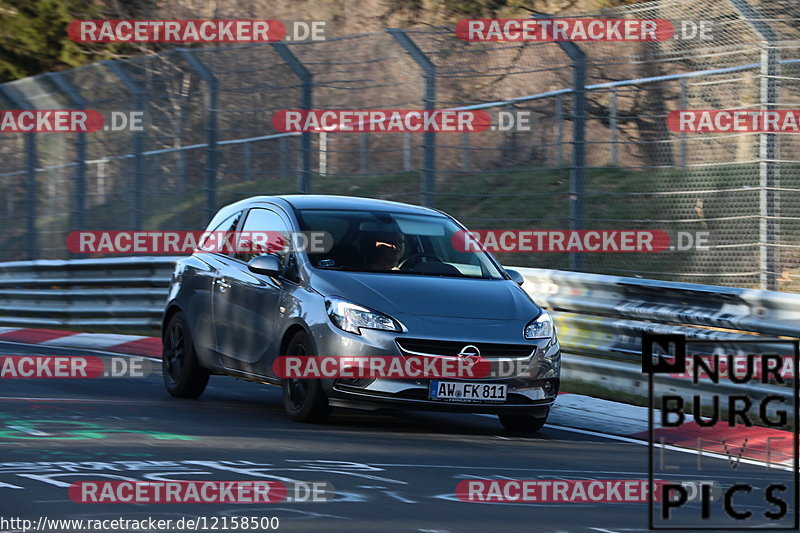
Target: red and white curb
[(109, 342), (574, 411), (756, 443)]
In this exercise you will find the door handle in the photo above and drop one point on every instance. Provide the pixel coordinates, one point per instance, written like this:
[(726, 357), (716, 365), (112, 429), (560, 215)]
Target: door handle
[(223, 285)]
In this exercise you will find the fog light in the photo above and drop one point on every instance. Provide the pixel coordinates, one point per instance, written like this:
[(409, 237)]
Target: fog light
[(355, 382), (550, 387)]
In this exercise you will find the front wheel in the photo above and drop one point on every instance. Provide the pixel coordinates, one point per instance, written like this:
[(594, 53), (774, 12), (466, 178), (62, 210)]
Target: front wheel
[(522, 423), (304, 399), (183, 375)]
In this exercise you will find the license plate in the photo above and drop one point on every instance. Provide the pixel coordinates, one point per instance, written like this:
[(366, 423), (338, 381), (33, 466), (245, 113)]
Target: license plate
[(460, 391)]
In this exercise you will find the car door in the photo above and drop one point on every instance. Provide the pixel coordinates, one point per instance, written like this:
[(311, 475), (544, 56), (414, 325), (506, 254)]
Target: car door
[(246, 304), (200, 301)]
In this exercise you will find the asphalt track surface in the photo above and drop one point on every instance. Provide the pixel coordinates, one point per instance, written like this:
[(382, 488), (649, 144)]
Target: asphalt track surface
[(391, 472)]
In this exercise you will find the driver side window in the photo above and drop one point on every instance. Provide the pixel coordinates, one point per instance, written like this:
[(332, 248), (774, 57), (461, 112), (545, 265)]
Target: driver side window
[(264, 232)]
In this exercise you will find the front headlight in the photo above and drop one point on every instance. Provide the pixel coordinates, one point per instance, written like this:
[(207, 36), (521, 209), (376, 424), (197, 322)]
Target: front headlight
[(541, 327), (352, 317)]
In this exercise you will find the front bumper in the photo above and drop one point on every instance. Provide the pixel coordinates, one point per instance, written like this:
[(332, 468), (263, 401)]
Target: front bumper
[(372, 400), (531, 391)]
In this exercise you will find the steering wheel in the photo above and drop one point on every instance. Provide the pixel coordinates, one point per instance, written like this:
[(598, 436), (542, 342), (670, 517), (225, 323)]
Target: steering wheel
[(413, 260)]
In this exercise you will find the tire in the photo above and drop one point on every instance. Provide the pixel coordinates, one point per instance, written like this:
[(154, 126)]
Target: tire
[(522, 423), (183, 375), (304, 399)]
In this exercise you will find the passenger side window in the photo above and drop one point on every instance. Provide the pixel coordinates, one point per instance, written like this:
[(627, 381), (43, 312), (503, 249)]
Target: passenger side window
[(264, 232)]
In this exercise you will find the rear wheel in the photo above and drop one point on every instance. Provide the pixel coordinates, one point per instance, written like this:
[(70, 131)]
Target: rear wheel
[(304, 399), (183, 375), (522, 423)]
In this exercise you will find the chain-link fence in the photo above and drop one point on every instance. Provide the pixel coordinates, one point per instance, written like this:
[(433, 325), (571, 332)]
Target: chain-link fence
[(598, 154)]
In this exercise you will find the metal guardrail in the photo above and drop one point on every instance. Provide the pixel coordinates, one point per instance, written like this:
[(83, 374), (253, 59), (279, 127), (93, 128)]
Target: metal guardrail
[(597, 315), (605, 315), (600, 319), (121, 294)]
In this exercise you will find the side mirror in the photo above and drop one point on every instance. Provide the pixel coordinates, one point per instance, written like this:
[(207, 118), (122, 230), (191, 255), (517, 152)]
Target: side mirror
[(267, 265), (516, 276)]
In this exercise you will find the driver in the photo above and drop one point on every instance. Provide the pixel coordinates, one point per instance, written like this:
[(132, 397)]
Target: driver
[(384, 250)]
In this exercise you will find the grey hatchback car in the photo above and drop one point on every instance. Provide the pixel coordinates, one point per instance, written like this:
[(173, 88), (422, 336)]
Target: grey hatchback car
[(391, 282)]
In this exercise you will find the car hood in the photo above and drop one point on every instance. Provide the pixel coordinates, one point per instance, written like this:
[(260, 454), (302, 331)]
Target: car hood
[(401, 294)]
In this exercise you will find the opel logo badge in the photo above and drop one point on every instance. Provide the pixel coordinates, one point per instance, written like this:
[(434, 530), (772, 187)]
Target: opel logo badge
[(470, 353)]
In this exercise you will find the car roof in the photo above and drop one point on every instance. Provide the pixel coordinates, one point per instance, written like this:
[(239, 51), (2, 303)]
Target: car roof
[(319, 201)]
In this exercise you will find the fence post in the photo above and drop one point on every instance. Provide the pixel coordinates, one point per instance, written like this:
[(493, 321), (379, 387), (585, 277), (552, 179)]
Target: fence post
[(559, 130), (577, 175), (465, 151), (31, 162), (428, 183), (139, 104), (612, 126), (406, 151), (248, 162), (323, 153), (510, 143), (769, 178), (282, 161), (363, 165), (683, 102), (212, 151), (77, 102), (306, 102)]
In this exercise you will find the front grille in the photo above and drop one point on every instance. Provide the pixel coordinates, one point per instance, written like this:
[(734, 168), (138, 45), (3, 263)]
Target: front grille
[(452, 348)]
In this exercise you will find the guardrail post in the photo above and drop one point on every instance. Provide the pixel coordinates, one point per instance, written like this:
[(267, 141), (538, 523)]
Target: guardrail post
[(428, 183), (306, 103), (31, 162), (769, 180), (77, 102), (212, 151), (139, 104), (577, 175)]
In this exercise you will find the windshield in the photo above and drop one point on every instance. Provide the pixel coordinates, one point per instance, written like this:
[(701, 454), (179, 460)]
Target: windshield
[(394, 243)]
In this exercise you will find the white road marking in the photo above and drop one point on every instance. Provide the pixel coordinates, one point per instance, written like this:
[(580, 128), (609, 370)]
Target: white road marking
[(776, 466), (29, 431)]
